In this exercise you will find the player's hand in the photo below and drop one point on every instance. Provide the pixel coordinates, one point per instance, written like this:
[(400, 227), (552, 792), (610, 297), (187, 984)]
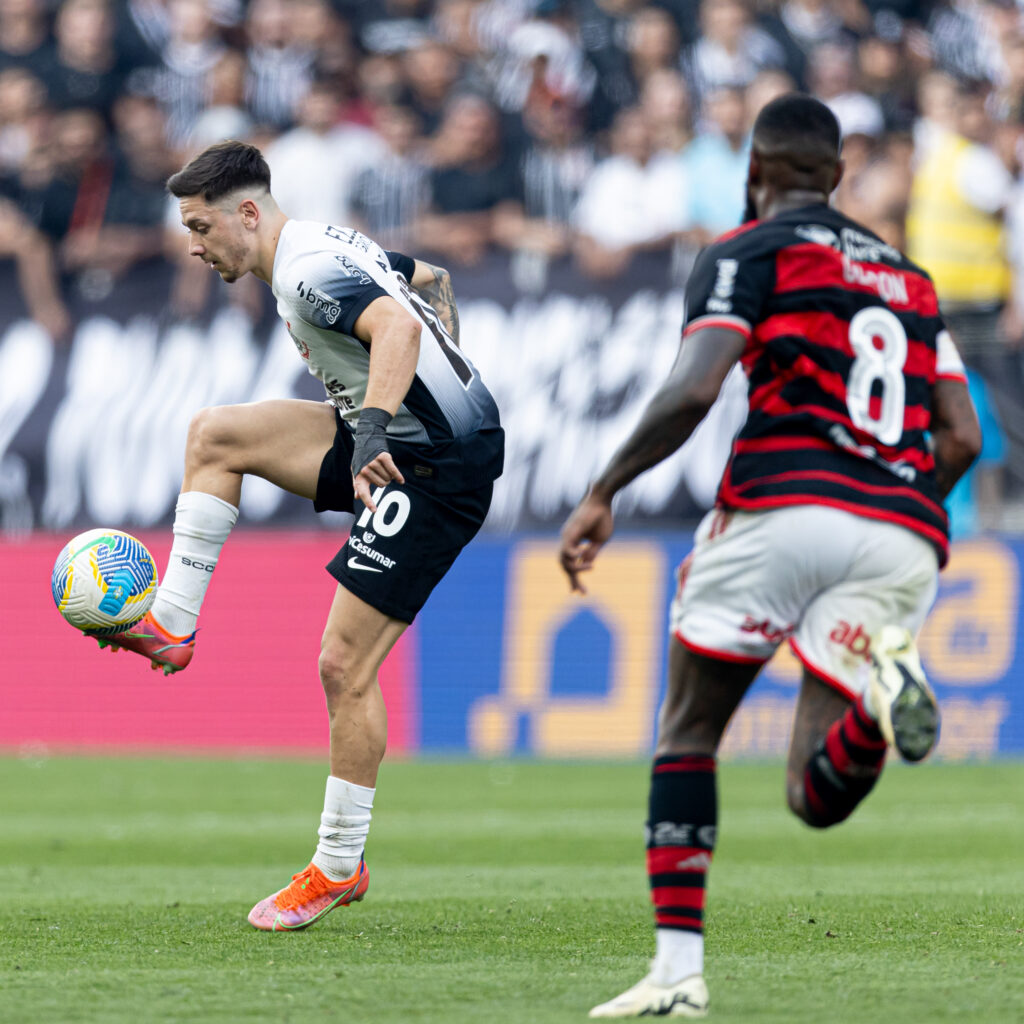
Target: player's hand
[(584, 534), (378, 473)]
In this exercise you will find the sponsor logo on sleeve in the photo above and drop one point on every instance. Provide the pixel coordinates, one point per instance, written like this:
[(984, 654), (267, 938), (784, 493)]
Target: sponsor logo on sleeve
[(725, 284)]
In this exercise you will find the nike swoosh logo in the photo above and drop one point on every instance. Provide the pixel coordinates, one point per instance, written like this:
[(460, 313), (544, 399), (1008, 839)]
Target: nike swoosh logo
[(354, 563)]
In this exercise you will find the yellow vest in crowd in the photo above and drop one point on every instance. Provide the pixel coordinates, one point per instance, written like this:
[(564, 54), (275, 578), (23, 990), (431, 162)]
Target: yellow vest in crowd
[(963, 248)]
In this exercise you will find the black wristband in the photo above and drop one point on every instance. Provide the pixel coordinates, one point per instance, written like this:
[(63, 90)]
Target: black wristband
[(371, 437)]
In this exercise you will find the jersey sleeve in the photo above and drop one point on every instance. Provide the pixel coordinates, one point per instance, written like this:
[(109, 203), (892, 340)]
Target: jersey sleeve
[(948, 364), (402, 264), (330, 291), (728, 288)]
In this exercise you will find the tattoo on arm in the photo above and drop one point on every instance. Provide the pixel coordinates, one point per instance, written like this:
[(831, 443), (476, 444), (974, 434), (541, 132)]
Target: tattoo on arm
[(439, 293)]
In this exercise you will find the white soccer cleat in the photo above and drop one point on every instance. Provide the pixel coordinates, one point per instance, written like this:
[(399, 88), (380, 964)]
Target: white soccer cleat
[(686, 998), (908, 713)]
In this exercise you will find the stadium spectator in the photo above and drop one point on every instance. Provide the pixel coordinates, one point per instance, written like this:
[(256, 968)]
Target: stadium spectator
[(963, 36), (731, 49), (431, 70), (665, 102), (717, 161), (33, 257), (472, 180), (225, 116), (652, 44), (390, 196), (315, 164), (936, 106), (556, 162), (540, 59), (24, 118), (833, 79), (25, 37), (125, 223), (885, 77), (1007, 100), (632, 201), (178, 82), (956, 228), (280, 72), (72, 188), (86, 72), (388, 26), (603, 26)]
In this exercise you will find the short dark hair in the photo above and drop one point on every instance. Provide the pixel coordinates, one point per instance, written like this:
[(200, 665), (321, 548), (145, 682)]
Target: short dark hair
[(221, 169), (797, 121)]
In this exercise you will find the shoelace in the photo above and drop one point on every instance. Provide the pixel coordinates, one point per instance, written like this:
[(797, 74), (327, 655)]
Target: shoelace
[(305, 886)]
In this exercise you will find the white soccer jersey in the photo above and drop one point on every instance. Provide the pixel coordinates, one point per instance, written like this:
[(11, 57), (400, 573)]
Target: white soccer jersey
[(324, 277)]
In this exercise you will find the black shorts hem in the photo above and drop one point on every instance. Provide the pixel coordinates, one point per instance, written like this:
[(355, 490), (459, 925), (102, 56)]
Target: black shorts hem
[(383, 605)]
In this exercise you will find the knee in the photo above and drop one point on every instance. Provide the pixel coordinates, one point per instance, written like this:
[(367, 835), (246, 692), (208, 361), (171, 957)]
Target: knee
[(342, 672), (209, 435)]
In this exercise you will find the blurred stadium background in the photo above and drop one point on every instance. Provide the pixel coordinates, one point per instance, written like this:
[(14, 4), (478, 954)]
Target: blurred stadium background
[(566, 159)]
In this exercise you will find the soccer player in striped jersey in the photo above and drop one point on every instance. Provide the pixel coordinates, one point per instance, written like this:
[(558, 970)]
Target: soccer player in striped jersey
[(408, 440), (828, 531)]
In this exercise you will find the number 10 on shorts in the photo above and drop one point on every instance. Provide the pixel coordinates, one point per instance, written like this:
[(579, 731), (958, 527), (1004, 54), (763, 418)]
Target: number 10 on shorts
[(396, 500)]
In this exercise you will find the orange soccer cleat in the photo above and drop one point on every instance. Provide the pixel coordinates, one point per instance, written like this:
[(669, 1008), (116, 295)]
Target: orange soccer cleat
[(310, 895), (148, 638)]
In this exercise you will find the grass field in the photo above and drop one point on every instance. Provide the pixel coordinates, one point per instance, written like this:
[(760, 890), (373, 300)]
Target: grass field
[(509, 892)]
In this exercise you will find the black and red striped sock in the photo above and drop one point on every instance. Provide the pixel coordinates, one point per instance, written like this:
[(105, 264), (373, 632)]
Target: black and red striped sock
[(843, 770), (682, 817)]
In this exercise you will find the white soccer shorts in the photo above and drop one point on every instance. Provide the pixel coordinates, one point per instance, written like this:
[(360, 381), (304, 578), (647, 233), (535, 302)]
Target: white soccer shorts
[(823, 579)]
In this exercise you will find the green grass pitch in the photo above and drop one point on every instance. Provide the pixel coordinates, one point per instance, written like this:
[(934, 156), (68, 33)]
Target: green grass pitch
[(500, 892)]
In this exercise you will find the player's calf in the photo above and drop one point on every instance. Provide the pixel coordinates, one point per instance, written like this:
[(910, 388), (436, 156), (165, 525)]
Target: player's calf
[(841, 771)]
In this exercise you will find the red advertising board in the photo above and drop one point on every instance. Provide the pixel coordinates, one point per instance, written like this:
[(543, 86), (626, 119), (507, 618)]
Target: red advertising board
[(253, 682)]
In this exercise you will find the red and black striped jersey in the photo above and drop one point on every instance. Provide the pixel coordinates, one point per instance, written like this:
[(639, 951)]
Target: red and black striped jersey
[(844, 344)]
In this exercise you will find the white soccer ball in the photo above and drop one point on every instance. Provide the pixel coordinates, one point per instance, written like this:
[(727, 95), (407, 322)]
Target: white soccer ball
[(104, 581)]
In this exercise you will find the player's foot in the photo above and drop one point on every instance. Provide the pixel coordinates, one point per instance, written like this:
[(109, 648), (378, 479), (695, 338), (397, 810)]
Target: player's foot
[(310, 895), (686, 998), (908, 713), (148, 638)]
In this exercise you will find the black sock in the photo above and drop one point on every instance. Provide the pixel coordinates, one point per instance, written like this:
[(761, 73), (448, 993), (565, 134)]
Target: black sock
[(683, 814), (844, 769)]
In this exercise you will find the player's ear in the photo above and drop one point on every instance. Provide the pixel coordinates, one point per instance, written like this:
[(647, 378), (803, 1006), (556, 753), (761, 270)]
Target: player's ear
[(753, 169), (838, 176), (249, 212)]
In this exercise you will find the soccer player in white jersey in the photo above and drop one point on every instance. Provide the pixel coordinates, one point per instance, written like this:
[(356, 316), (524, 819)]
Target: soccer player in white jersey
[(409, 440)]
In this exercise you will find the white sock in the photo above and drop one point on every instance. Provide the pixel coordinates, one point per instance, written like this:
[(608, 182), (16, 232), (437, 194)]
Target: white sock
[(201, 525), (344, 826), (679, 955)]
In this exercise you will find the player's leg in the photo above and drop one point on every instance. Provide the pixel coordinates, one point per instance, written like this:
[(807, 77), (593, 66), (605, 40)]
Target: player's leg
[(856, 635), (356, 640), (283, 441), (836, 754), (703, 693), (739, 594), (391, 562)]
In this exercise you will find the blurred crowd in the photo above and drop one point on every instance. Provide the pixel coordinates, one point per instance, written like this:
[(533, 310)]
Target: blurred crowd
[(578, 130)]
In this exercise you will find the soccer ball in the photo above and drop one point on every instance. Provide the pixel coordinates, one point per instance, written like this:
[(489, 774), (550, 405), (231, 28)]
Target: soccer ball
[(104, 581)]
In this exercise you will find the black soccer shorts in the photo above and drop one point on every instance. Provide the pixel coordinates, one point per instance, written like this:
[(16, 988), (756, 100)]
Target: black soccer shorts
[(395, 556)]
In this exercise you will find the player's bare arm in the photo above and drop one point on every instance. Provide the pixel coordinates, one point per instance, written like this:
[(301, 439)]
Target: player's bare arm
[(394, 338), (704, 361), (434, 285), (955, 432)]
